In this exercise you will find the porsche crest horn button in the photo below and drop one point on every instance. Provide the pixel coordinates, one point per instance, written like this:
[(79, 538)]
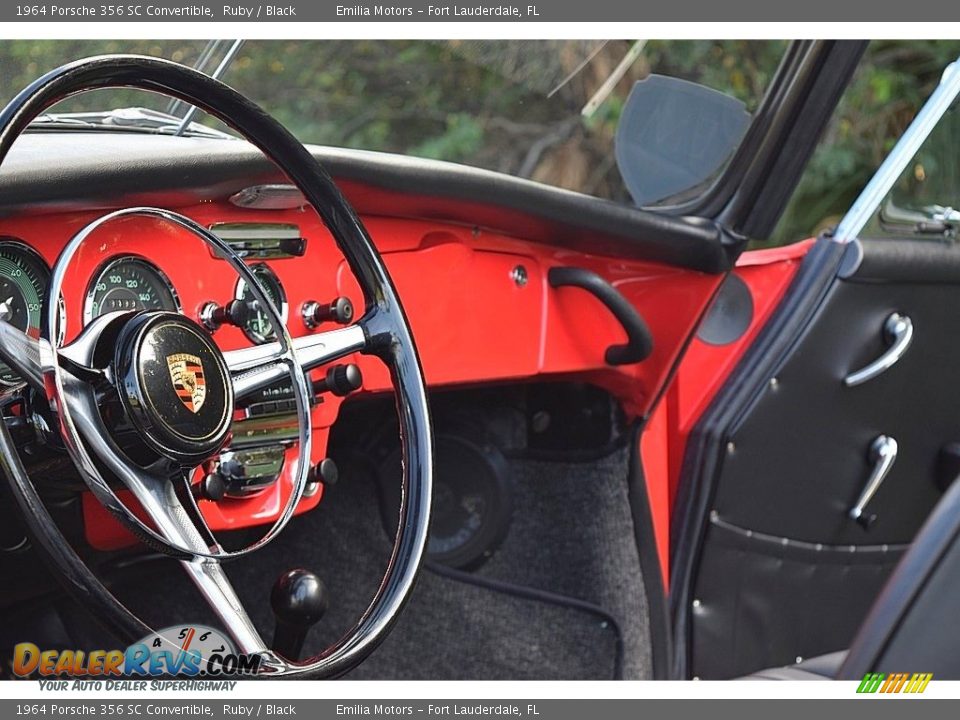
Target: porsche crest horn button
[(186, 374), (175, 386)]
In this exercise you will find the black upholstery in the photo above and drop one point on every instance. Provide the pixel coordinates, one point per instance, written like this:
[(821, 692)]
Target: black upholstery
[(823, 667), (783, 571), (913, 626)]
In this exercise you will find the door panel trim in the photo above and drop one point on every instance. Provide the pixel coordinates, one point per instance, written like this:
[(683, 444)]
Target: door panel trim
[(707, 442)]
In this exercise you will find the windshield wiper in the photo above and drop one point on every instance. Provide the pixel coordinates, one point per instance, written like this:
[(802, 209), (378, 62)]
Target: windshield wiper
[(132, 118)]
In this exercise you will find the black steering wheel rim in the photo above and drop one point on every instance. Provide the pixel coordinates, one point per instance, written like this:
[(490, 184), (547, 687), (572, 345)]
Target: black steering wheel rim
[(385, 326)]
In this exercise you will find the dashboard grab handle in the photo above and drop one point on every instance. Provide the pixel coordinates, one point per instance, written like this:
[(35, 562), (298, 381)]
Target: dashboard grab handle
[(639, 343)]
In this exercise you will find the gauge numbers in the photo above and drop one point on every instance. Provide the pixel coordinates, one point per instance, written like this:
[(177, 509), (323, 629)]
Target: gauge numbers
[(129, 284), (23, 287)]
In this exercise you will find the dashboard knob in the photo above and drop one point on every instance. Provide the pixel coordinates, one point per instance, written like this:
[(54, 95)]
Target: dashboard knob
[(211, 488), (340, 380), (339, 311), (235, 312), (325, 472)]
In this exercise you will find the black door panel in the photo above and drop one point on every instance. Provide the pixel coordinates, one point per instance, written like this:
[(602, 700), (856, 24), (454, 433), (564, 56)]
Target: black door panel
[(783, 571), (801, 454), (757, 598)]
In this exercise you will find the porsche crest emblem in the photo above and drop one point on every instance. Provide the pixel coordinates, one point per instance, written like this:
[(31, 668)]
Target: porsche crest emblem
[(186, 373)]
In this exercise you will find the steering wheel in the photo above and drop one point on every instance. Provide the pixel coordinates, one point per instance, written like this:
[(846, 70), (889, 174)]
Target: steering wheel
[(133, 356)]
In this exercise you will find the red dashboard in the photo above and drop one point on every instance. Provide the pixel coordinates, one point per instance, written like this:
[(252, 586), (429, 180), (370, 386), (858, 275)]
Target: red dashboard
[(478, 301)]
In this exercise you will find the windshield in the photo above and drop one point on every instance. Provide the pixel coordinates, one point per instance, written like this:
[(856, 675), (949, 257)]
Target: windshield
[(545, 110)]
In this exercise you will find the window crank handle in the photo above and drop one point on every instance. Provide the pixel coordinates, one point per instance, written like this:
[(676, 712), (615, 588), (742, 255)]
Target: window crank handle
[(883, 453)]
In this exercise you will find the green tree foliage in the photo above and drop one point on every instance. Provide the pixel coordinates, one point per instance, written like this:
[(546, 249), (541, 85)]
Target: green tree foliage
[(890, 86), (515, 107)]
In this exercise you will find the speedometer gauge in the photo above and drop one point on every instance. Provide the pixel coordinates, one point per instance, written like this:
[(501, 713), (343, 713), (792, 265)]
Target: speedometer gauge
[(126, 284), (23, 287)]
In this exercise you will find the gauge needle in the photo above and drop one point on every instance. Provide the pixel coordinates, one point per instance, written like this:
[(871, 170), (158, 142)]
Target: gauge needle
[(188, 640), (186, 645), (6, 311)]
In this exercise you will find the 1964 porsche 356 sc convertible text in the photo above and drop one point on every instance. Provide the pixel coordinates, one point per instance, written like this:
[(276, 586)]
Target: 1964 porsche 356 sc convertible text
[(445, 422)]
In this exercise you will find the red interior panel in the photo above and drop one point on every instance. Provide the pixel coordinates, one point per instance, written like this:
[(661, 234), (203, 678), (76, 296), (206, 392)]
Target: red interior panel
[(473, 322), (702, 372)]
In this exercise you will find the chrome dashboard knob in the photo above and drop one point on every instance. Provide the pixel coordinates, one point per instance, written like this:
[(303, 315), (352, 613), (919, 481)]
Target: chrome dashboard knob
[(339, 311)]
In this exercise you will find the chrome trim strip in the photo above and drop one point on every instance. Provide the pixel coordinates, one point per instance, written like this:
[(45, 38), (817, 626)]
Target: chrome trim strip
[(262, 241), (258, 366), (780, 541)]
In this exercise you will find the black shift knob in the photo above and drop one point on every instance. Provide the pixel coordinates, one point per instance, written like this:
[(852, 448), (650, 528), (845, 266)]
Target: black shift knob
[(299, 600)]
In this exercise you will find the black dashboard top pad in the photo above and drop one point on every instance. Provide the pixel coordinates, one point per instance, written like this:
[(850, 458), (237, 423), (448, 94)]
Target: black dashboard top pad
[(62, 171)]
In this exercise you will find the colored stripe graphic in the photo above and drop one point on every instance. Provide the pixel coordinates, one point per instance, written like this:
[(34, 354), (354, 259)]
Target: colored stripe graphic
[(919, 682), (870, 683), (913, 683)]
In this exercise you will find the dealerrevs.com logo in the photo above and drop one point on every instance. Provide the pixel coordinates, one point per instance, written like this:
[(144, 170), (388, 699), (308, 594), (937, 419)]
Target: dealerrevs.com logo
[(191, 651)]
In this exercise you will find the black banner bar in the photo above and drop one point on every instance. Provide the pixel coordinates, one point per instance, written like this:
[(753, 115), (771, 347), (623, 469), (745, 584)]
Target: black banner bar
[(573, 11), (227, 708)]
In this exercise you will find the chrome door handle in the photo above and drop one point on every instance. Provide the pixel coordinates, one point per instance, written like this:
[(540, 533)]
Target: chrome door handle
[(898, 331), (883, 453)]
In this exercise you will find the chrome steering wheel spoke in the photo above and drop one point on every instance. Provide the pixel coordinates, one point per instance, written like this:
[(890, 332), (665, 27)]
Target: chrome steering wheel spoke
[(256, 367), (213, 583), (22, 353), (175, 515), (152, 487)]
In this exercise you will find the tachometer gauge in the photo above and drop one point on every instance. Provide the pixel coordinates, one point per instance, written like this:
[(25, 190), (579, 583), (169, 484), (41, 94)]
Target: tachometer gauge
[(258, 327), (127, 284), (23, 288)]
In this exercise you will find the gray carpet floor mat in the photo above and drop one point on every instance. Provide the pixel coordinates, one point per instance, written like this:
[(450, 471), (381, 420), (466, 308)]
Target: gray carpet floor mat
[(571, 535)]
